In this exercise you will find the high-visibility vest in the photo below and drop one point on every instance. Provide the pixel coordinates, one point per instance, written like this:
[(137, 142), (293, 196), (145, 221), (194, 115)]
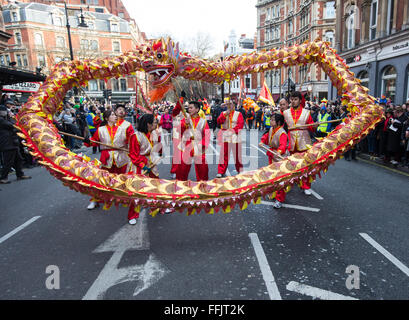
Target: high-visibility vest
[(268, 120), (323, 118), (91, 127)]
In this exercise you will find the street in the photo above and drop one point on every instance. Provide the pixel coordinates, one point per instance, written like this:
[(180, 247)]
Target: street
[(356, 217)]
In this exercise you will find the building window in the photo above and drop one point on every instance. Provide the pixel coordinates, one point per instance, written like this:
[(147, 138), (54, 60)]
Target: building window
[(94, 45), (92, 85), (116, 47), (58, 21), (19, 61), (60, 42), (290, 28), (2, 60), (15, 16), (330, 10), (101, 85), (389, 82), (91, 25), (18, 38), (248, 83), (121, 15), (114, 27), (115, 85), (58, 59), (350, 25), (329, 37), (84, 44), (389, 17), (364, 77), (7, 60), (38, 39), (41, 60), (123, 85), (25, 61), (99, 10), (374, 19)]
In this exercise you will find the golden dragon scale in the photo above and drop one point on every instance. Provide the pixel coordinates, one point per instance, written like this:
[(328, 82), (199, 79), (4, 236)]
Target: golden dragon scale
[(163, 59)]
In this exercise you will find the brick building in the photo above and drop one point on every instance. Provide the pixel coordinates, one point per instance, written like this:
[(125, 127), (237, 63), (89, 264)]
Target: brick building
[(373, 37), (115, 7), (40, 40), (282, 23)]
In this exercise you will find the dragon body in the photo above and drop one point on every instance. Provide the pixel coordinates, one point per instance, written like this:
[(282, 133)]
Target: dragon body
[(165, 61)]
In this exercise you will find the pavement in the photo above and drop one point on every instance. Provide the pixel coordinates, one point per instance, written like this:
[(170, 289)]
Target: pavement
[(346, 241)]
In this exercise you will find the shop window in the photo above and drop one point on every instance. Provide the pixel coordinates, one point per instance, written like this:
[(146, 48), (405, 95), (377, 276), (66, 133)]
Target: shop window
[(389, 82), (407, 84), (364, 77)]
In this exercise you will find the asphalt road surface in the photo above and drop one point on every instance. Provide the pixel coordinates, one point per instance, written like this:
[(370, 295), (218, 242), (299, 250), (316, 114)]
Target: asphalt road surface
[(346, 241)]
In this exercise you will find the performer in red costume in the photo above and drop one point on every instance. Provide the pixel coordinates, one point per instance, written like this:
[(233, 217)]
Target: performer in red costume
[(120, 112), (143, 152), (113, 160), (177, 117), (277, 140), (296, 115), (232, 123), (193, 148)]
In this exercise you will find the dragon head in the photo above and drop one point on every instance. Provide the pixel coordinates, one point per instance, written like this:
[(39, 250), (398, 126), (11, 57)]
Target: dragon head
[(163, 61)]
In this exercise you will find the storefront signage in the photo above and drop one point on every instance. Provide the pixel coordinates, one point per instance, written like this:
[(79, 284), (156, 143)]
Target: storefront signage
[(400, 46), (23, 87)]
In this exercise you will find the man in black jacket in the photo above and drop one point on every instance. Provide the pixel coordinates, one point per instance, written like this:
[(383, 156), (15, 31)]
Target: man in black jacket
[(9, 147)]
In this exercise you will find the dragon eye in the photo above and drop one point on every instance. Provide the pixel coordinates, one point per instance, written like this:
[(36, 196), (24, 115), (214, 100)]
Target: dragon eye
[(159, 55)]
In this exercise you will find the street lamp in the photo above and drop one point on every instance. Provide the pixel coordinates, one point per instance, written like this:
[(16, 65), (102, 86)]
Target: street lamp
[(81, 24)]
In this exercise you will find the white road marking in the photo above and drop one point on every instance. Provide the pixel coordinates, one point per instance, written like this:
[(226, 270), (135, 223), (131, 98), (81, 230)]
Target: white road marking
[(259, 149), (291, 206), (316, 293), (268, 277), (315, 194), (386, 253), (127, 238), (18, 229)]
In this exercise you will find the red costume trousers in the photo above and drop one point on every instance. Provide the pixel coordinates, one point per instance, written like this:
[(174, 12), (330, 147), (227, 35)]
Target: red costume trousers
[(201, 167), (225, 154), (133, 212), (176, 157), (305, 184), (281, 193)]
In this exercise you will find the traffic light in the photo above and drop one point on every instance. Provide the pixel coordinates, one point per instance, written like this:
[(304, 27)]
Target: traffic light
[(107, 93)]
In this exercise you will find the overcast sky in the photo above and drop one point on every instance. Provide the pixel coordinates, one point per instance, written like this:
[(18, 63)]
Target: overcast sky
[(183, 19)]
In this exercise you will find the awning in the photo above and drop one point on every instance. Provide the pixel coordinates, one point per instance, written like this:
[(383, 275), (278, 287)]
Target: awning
[(14, 75)]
